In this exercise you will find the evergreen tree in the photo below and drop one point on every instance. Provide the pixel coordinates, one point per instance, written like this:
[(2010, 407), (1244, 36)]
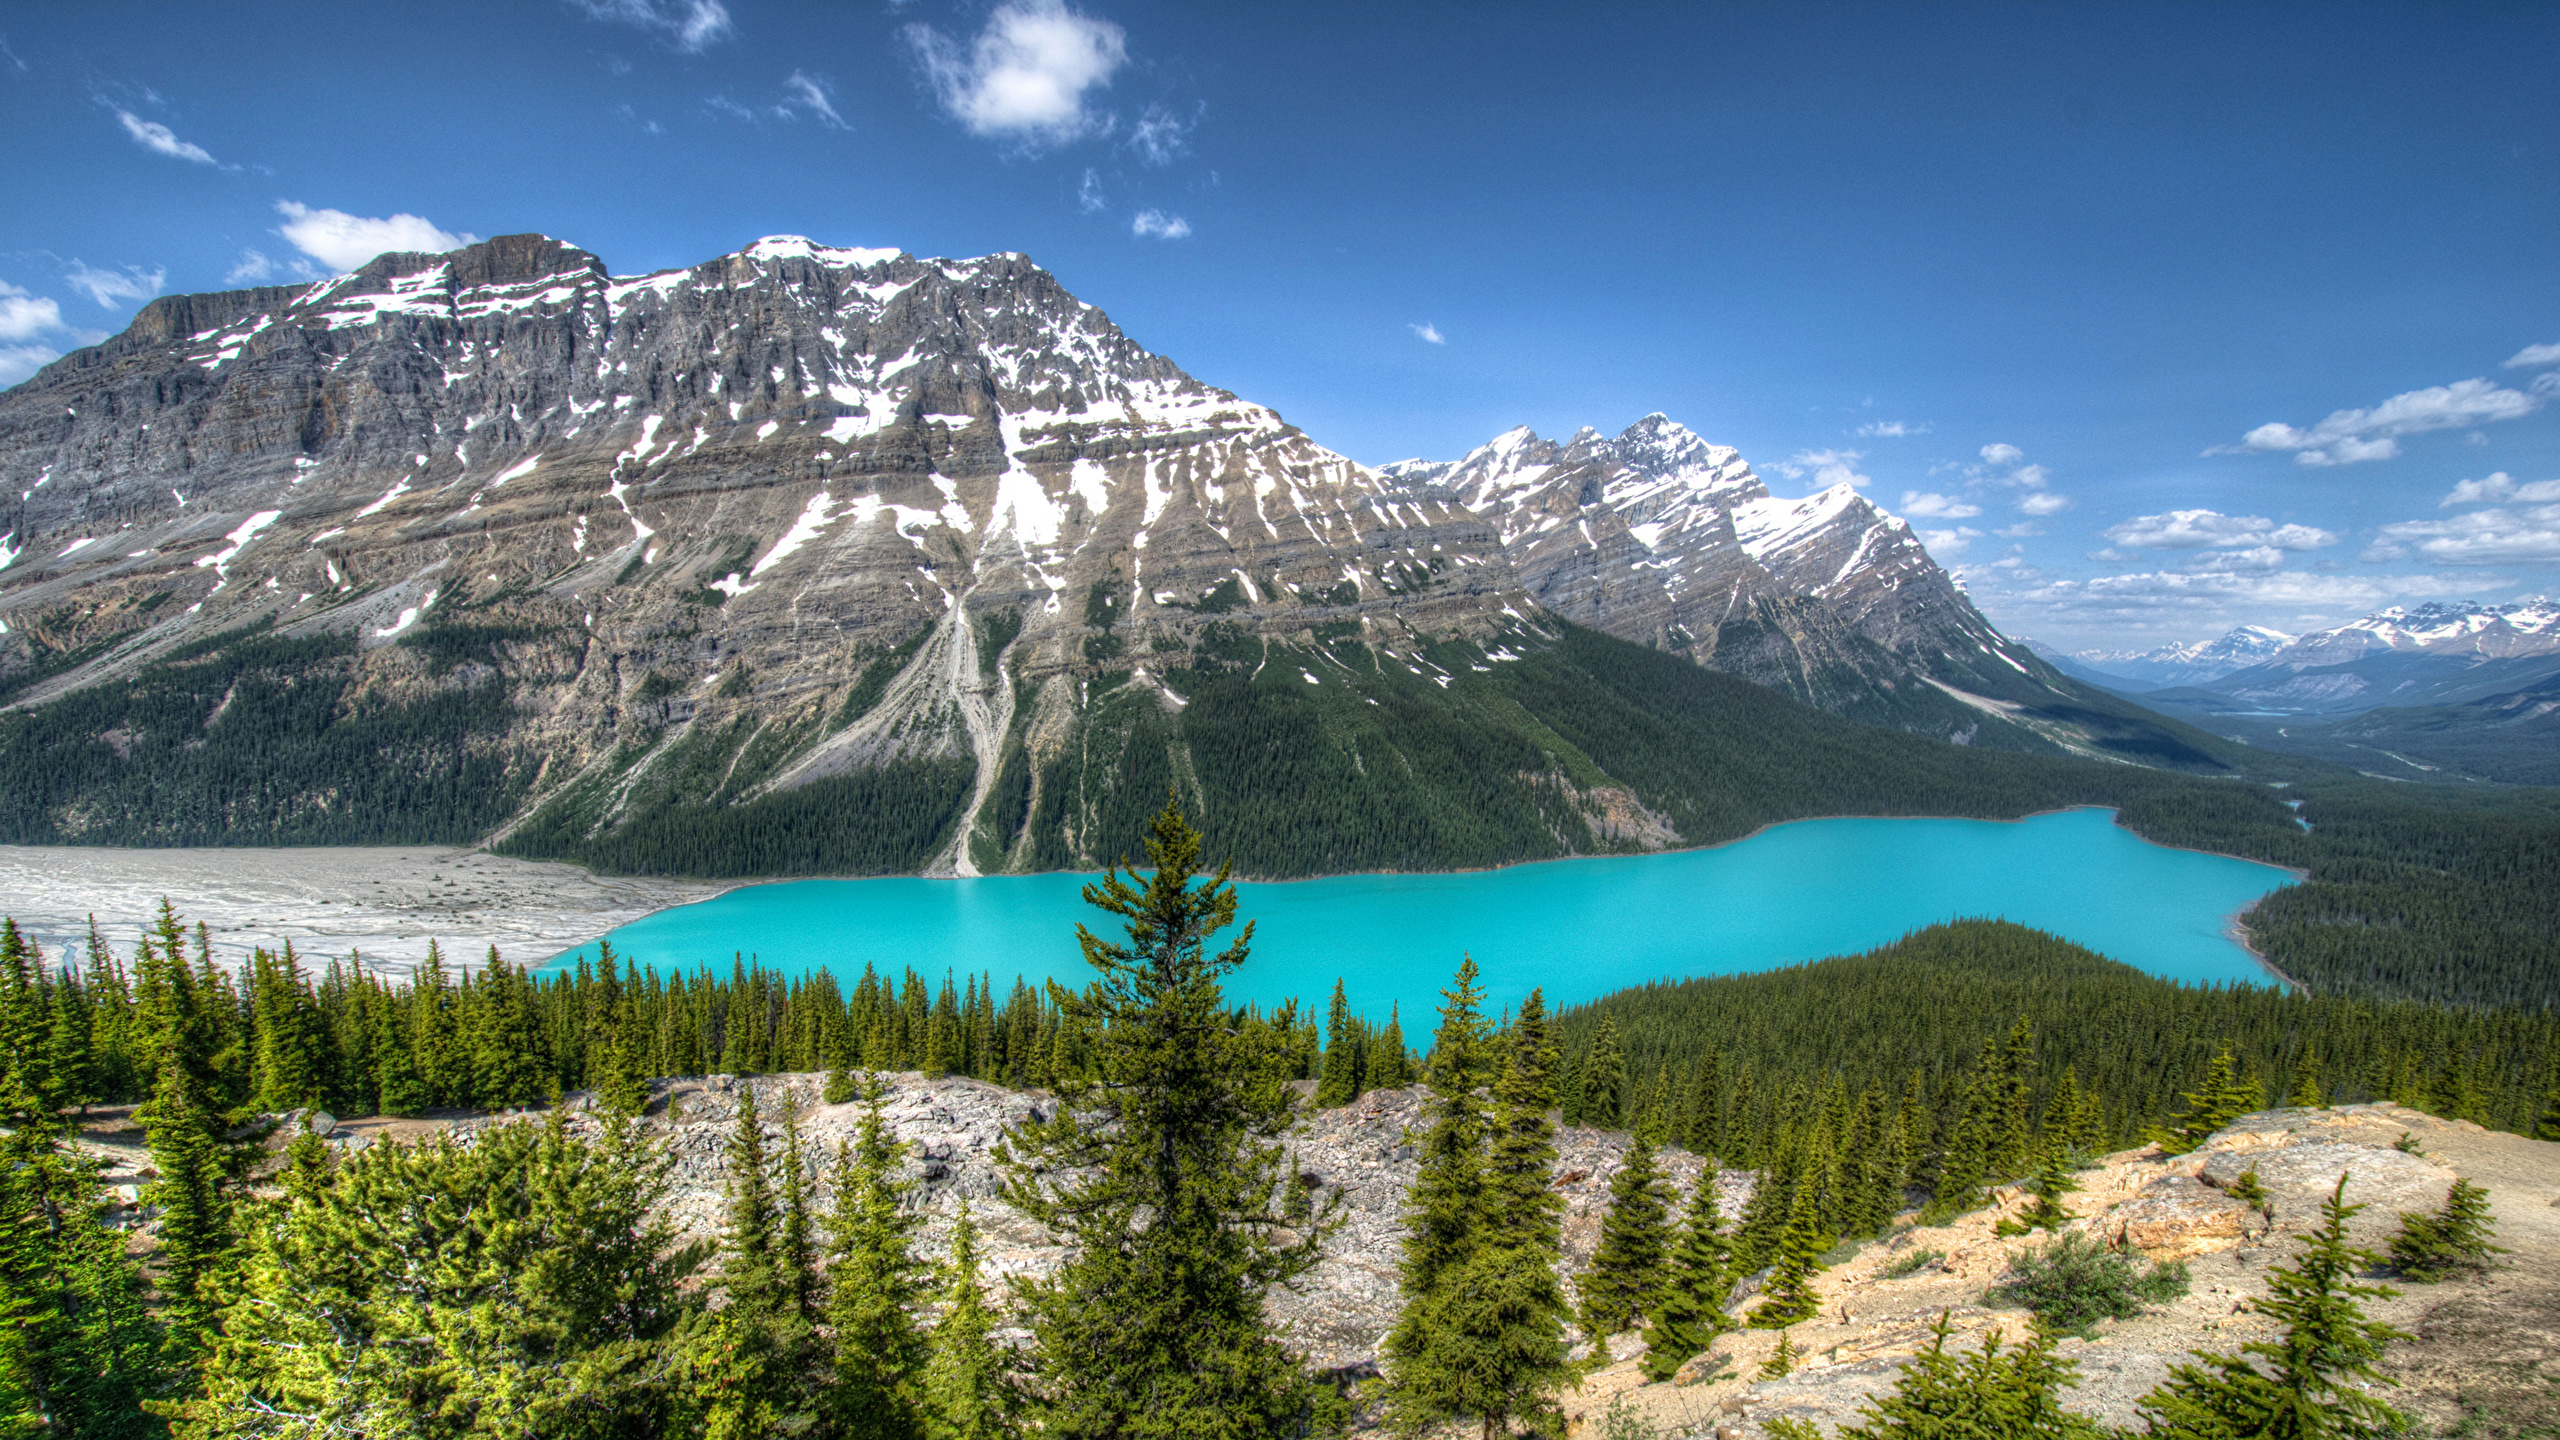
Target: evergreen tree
[(1604, 1079), (1487, 1337), (77, 1353), (2048, 1185), (2310, 1384), (1388, 1069), (194, 1125), (2223, 1098), (1689, 1313), (1340, 1084), (748, 1271), (1446, 1201), (2453, 1241), (1789, 1295), (2014, 1395), (1163, 1172), (874, 1285), (505, 1042), (2305, 1094), (967, 1393), (524, 1284), (1705, 1132), (1627, 1270)]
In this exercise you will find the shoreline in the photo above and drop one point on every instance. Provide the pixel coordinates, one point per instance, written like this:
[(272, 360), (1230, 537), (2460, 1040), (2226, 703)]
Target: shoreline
[(537, 911)]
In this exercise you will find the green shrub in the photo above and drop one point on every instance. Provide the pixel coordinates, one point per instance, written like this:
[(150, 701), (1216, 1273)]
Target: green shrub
[(2073, 1284), (1911, 1264)]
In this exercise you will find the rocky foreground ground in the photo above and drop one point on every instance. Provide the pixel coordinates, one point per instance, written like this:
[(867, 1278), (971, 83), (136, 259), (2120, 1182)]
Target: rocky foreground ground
[(2486, 1351)]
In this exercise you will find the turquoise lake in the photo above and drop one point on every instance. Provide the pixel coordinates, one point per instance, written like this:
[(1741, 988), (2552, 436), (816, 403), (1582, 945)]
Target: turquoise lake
[(1581, 928)]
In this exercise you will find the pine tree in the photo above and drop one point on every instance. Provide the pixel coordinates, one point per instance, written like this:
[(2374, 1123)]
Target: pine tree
[(505, 1043), (747, 1261), (1163, 1173), (2546, 1123), (1447, 1198), (967, 1393), (1789, 1295), (2015, 1395), (1341, 1082), (1388, 1069), (874, 1285), (193, 1123), (2223, 1098), (1604, 1079), (1782, 1361), (1689, 1313), (2452, 1241), (1654, 1118), (1627, 1270), (1705, 1133), (2048, 1185), (2305, 1094), (1486, 1338), (2310, 1384), (527, 1283)]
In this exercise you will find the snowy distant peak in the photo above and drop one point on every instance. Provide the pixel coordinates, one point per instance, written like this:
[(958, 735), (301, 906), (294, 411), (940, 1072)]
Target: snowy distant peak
[(2194, 662), (801, 247), (2530, 626)]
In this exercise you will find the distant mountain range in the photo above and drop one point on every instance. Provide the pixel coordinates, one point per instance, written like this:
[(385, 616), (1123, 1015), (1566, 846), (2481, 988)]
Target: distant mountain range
[(2171, 664), (2436, 692), (820, 558)]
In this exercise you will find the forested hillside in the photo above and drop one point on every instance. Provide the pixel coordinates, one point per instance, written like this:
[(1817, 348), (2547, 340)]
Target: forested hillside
[(1735, 1060)]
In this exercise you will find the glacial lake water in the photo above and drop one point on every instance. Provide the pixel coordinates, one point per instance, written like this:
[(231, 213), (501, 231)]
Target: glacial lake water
[(1581, 928)]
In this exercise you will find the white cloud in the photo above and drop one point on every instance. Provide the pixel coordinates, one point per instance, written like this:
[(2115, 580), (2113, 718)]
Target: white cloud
[(692, 26), (1946, 544), (111, 287), (1929, 505), (1429, 332), (254, 267), (2500, 487), (2348, 437), (2020, 531), (24, 316), (2533, 356), (1891, 429), (1827, 467), (2043, 502), (343, 242), (813, 95), (1025, 77), (153, 136), (1159, 225), (17, 362), (1159, 137), (2211, 529), (2256, 560), (2223, 596), (1089, 196), (2002, 454), (2483, 537)]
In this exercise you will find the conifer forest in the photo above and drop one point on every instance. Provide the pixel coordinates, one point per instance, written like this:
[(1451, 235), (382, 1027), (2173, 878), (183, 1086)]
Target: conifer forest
[(526, 1282)]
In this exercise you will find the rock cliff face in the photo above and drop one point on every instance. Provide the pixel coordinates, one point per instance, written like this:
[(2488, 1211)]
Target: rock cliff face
[(933, 532)]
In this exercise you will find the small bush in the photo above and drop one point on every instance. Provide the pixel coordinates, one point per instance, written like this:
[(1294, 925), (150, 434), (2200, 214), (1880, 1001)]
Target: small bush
[(2073, 1284), (2407, 1144), (2453, 1241), (1911, 1264)]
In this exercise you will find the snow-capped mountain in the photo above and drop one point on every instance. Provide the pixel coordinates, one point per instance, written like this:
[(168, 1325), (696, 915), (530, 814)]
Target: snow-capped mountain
[(2190, 664), (2489, 632), (850, 509), (1655, 535)]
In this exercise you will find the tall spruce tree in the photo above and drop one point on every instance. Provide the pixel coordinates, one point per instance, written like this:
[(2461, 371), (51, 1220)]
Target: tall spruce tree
[(874, 1284), (1627, 1270), (1789, 1295), (1446, 1201), (2224, 1097), (2311, 1383), (1486, 1339), (1604, 1079), (195, 1124), (1689, 1312), (968, 1393), (1163, 1172), (1340, 1083)]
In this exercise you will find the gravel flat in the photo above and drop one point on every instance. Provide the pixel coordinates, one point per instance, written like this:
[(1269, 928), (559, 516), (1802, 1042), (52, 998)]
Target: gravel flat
[(384, 903)]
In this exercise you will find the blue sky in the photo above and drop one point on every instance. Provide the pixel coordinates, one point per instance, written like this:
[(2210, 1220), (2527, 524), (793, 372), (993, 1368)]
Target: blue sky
[(2156, 319)]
